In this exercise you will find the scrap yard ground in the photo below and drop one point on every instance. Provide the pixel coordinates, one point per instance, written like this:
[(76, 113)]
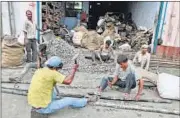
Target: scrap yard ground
[(129, 26), (15, 106)]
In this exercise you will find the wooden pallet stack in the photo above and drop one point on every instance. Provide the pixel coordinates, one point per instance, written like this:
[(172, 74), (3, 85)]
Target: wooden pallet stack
[(52, 12)]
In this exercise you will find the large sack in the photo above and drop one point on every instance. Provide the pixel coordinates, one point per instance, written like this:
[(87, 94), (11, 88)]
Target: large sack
[(12, 52), (168, 86), (93, 42), (125, 47), (78, 36)]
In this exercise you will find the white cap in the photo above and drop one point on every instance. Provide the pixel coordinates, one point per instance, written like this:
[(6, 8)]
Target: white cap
[(144, 46)]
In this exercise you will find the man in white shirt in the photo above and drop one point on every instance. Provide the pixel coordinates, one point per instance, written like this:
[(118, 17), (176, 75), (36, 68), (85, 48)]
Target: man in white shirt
[(30, 34), (142, 57)]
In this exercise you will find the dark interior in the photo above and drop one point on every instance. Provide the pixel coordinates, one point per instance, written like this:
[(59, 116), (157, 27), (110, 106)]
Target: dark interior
[(99, 8)]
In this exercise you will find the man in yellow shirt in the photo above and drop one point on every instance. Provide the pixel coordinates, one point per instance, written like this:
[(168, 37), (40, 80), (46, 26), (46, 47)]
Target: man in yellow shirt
[(41, 95)]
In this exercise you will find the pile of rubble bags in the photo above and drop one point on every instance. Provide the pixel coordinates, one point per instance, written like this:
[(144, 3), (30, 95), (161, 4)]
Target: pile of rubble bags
[(12, 52), (121, 29)]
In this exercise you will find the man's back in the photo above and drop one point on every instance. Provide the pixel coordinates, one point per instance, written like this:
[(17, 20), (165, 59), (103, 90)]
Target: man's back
[(40, 90)]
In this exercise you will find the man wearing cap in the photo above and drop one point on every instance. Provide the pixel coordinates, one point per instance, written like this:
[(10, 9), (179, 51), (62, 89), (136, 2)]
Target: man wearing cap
[(41, 95), (142, 57), (124, 77)]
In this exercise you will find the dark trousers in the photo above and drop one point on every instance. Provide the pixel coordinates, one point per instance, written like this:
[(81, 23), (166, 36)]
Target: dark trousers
[(31, 48), (104, 58), (128, 84)]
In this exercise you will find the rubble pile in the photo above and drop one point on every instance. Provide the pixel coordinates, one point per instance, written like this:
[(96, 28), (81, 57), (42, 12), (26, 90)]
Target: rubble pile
[(122, 29), (65, 51)]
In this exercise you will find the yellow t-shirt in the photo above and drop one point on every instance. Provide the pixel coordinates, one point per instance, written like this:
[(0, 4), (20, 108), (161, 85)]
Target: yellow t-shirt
[(41, 88)]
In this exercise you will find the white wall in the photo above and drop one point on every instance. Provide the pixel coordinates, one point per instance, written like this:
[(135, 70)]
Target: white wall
[(5, 19), (143, 13), (20, 15)]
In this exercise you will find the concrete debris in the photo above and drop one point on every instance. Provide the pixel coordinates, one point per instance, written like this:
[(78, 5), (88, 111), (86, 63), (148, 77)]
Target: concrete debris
[(126, 28), (62, 49)]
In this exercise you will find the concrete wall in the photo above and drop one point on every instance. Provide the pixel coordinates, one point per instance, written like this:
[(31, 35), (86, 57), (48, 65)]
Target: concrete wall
[(5, 19), (20, 16), (143, 13)]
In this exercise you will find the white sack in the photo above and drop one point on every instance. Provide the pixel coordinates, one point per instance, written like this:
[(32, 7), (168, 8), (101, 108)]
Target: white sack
[(168, 86)]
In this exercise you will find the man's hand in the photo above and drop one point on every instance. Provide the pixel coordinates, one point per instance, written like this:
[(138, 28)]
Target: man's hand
[(137, 97), (126, 96), (75, 67), (109, 84)]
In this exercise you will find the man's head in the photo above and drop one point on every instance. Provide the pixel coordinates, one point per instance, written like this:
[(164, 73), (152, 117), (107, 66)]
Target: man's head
[(144, 49), (54, 63), (29, 14), (42, 48), (108, 43), (122, 60)]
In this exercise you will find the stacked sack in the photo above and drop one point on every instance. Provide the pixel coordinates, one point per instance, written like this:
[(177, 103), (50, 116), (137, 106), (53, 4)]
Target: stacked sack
[(12, 52)]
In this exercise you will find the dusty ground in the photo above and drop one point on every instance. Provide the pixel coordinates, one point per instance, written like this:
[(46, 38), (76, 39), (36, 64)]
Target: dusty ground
[(15, 106)]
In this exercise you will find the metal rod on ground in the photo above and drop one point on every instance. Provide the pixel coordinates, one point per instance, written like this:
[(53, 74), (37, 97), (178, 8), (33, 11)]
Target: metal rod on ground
[(11, 90), (80, 87), (135, 107)]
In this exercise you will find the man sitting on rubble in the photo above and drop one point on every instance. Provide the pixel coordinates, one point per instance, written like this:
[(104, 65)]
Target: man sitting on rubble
[(41, 59), (104, 53), (124, 77), (41, 96), (142, 57)]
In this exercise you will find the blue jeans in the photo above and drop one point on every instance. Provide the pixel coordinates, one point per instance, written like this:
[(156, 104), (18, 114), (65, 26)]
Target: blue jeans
[(129, 84), (56, 105)]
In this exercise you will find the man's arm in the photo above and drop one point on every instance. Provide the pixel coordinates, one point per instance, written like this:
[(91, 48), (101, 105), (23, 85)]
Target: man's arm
[(115, 75), (148, 62), (135, 57), (38, 62), (25, 31), (114, 80), (141, 85), (99, 53), (112, 53), (68, 80)]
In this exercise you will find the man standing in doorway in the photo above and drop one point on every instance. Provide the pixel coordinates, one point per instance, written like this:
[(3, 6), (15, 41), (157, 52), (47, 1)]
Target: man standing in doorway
[(30, 34)]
